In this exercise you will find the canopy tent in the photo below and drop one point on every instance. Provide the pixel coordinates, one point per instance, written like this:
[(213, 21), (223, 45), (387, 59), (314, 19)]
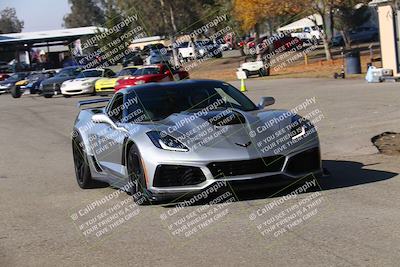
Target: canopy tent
[(304, 22), (32, 38)]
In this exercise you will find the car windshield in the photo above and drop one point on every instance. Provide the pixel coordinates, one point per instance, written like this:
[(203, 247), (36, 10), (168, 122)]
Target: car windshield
[(183, 45), (14, 77), (147, 71), (90, 73), (127, 72), (35, 76), (66, 72), (159, 103), (204, 43)]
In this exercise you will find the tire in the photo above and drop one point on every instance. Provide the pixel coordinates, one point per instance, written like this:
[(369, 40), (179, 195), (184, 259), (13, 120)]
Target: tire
[(247, 73), (138, 189), (16, 92), (81, 165), (262, 72), (48, 96), (267, 71)]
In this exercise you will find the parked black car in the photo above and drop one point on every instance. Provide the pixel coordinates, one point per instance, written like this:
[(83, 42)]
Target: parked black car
[(7, 84), (51, 86)]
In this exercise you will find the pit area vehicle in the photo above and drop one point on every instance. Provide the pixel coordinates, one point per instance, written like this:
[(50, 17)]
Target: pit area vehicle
[(147, 141), (84, 83), (105, 86), (151, 74)]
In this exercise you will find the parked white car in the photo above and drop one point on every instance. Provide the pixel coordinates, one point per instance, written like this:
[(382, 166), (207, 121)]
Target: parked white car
[(308, 33), (84, 82), (157, 57), (199, 49)]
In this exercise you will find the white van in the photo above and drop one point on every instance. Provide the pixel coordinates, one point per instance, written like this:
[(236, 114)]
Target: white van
[(308, 33)]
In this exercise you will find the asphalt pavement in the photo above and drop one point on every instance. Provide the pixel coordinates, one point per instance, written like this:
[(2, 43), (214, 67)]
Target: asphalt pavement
[(349, 218)]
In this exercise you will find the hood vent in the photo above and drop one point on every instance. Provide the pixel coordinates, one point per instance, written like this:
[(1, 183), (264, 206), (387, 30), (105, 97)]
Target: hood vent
[(224, 118)]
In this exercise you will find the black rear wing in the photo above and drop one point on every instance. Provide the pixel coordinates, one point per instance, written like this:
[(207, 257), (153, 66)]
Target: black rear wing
[(92, 101)]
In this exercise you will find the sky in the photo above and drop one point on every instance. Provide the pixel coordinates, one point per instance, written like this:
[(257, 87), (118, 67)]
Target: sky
[(39, 15)]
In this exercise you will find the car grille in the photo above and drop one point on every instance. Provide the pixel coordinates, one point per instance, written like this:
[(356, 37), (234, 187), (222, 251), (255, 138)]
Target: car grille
[(305, 162), (246, 167), (50, 87), (175, 175), (105, 88)]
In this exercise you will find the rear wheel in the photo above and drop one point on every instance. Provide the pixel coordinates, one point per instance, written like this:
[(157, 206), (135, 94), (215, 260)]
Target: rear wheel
[(138, 188), (82, 169), (48, 96)]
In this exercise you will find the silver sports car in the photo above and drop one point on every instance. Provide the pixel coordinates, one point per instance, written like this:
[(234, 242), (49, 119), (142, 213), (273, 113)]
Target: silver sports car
[(163, 140)]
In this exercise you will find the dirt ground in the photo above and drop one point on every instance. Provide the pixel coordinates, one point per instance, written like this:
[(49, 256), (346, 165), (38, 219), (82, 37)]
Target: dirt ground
[(225, 69)]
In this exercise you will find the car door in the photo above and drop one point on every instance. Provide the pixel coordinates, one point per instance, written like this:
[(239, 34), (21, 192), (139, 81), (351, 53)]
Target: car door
[(109, 140)]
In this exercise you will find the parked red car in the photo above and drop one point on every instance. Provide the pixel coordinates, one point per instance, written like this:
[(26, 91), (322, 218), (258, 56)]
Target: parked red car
[(3, 76), (287, 43), (249, 42), (151, 73)]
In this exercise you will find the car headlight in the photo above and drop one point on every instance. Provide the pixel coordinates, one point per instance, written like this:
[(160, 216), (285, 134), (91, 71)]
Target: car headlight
[(88, 84), (140, 82), (41, 86), (167, 142), (63, 85), (298, 127)]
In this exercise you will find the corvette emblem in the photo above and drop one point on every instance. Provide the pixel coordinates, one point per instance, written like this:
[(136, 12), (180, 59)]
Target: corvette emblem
[(244, 145)]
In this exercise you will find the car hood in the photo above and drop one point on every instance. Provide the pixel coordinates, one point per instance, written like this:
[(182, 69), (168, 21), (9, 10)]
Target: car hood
[(82, 80), (22, 82), (56, 80), (144, 77), (248, 136), (107, 82)]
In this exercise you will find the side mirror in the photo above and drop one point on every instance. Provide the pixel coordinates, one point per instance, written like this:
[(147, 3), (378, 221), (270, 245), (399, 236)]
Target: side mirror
[(103, 118), (266, 101)]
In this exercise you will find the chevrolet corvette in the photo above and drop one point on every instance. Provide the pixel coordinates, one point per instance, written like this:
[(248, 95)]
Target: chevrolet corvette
[(105, 86), (170, 139), (84, 83), (151, 74)]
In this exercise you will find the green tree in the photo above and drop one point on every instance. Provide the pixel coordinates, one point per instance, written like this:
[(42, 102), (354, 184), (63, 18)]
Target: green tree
[(84, 13), (9, 22), (349, 15)]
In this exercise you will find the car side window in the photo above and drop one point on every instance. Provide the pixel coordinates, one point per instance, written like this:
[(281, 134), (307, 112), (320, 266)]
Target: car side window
[(115, 110)]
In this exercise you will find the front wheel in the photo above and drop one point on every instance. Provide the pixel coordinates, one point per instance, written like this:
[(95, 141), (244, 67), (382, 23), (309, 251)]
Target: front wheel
[(138, 187), (48, 96), (16, 92)]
